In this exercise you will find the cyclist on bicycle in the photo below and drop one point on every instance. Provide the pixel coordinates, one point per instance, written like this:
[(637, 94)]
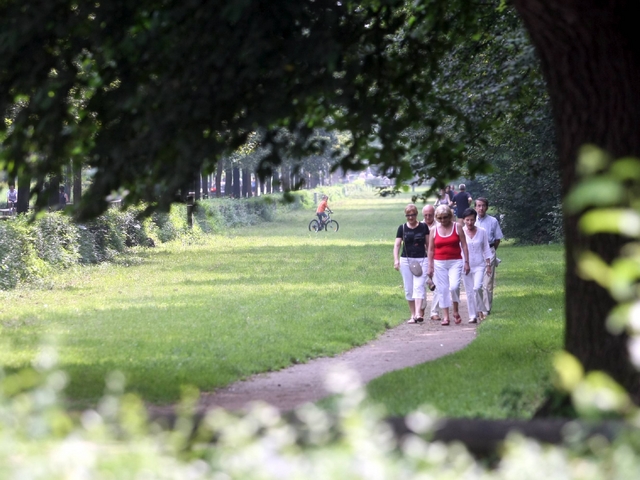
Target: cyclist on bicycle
[(321, 210)]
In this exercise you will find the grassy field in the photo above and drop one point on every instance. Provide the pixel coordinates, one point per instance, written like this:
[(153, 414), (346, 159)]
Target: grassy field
[(258, 299), (262, 298)]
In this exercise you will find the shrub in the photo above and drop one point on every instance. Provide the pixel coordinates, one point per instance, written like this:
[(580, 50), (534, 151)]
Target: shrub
[(55, 239), (31, 250), (18, 259)]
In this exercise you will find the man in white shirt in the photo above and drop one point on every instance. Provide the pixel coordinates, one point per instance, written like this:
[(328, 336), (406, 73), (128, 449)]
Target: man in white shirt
[(429, 214), (491, 225), (12, 195)]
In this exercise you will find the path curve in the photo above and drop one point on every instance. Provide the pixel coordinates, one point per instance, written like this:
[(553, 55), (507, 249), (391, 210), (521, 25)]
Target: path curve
[(400, 347)]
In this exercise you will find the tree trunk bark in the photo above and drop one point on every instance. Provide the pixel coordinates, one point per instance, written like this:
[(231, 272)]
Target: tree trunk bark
[(68, 179), (205, 185), (228, 182), (591, 61), (285, 178), (197, 186), (246, 183), (77, 183), (236, 182), (53, 193), (24, 190), (219, 170)]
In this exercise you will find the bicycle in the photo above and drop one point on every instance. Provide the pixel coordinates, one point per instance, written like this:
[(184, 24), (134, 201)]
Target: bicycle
[(328, 225), (10, 211)]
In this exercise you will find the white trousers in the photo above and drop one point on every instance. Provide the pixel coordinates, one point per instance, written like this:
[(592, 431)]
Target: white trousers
[(413, 286), (473, 287), (488, 283), (447, 279), (435, 302)]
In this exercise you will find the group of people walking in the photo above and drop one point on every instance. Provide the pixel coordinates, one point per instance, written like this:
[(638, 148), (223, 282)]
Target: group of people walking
[(441, 251)]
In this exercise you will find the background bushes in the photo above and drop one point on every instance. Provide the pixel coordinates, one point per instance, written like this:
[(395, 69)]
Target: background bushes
[(31, 249)]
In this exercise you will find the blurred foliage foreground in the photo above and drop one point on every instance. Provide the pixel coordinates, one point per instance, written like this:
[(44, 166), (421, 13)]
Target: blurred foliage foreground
[(40, 440)]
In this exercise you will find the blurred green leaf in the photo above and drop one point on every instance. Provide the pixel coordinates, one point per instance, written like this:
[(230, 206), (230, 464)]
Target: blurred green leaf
[(600, 396), (618, 319), (624, 274), (592, 267), (569, 371), (611, 220), (602, 191), (626, 169), (591, 159)]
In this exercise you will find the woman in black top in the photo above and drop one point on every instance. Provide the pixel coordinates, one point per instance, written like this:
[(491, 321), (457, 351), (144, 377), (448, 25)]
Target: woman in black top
[(411, 244)]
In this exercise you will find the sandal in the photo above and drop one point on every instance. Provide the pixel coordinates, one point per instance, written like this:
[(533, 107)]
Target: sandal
[(436, 318), (444, 322), (473, 320), (419, 319), (456, 317), (412, 320)]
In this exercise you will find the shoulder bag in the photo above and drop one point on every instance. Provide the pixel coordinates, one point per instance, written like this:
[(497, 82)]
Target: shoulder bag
[(414, 265)]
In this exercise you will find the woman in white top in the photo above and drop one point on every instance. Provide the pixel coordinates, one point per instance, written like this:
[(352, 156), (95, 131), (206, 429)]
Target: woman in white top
[(479, 261), (443, 199)]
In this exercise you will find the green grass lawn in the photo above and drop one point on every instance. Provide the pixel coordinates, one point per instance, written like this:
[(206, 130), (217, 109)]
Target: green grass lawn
[(258, 299), (262, 298)]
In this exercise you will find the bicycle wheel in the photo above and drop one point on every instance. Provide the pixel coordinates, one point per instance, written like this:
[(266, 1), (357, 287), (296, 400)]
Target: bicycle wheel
[(332, 226), (314, 226)]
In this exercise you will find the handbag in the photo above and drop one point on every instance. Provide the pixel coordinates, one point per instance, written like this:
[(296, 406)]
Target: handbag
[(414, 265)]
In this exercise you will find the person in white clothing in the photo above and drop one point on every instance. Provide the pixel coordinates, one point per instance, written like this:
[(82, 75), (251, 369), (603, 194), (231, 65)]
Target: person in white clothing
[(447, 254), (491, 225), (411, 246), (479, 262), (429, 215)]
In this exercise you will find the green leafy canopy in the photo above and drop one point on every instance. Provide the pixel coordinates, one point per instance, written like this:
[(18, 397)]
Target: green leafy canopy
[(148, 93)]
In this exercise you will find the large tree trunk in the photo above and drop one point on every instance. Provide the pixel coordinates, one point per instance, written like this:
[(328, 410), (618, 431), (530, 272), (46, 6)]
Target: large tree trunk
[(590, 58)]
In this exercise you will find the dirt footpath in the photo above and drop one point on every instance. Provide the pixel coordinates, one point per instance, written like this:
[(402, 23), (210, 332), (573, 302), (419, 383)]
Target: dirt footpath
[(403, 346)]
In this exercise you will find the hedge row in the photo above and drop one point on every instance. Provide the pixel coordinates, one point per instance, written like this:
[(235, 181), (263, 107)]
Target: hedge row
[(33, 249)]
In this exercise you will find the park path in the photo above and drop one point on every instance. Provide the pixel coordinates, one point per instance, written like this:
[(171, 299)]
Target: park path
[(400, 347)]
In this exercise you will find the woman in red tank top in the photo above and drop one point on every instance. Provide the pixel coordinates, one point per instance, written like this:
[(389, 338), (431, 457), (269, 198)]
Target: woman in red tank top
[(448, 258)]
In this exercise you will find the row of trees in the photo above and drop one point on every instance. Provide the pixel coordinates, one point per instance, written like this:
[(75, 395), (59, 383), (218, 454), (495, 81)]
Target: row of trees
[(233, 176)]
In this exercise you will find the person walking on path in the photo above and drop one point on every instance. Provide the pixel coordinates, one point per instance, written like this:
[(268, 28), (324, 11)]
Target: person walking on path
[(429, 214), (450, 190), (447, 248), (479, 262), (413, 236), (492, 227), (462, 200)]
